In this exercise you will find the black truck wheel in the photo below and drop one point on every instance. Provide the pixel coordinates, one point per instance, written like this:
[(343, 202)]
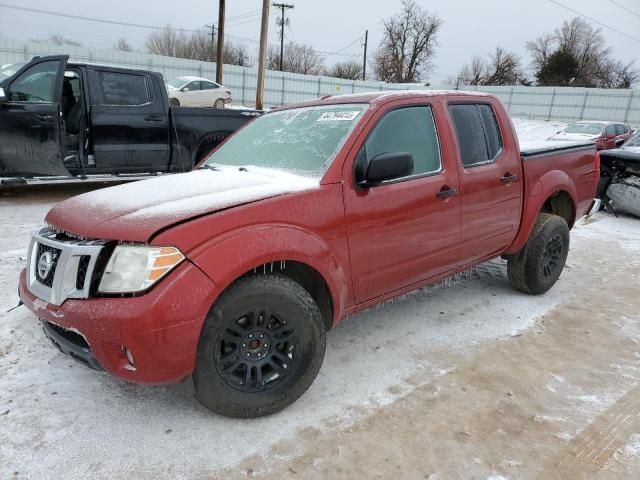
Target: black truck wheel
[(260, 349), (538, 266)]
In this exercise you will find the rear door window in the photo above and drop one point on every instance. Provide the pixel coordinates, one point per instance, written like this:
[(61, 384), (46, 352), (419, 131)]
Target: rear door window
[(120, 89), (411, 130), (207, 85), (477, 132)]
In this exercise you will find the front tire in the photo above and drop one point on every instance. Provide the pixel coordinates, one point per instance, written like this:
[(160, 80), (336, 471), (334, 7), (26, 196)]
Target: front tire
[(260, 349), (174, 102), (538, 266)]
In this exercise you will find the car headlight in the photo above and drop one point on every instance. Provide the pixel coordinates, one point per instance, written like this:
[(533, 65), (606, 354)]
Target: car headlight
[(133, 268)]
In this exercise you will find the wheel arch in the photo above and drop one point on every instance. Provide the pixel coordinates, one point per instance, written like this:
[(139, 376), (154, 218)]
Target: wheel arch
[(555, 193), (295, 253)]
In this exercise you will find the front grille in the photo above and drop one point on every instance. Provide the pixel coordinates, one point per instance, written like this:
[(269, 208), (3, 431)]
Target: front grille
[(83, 266), (61, 265), (45, 265)]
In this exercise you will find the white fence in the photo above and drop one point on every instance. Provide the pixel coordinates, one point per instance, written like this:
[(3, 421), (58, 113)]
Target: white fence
[(547, 103)]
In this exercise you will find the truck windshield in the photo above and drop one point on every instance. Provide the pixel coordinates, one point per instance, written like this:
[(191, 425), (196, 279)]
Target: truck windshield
[(584, 128), (300, 140)]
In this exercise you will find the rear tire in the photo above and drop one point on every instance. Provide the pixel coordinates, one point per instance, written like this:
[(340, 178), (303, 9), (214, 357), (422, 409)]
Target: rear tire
[(538, 266), (260, 349), (219, 103)]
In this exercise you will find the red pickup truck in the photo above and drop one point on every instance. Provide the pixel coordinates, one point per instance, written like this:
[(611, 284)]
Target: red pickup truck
[(233, 273)]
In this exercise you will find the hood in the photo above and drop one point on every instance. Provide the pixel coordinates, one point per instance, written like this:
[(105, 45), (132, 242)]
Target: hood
[(135, 211), (573, 137)]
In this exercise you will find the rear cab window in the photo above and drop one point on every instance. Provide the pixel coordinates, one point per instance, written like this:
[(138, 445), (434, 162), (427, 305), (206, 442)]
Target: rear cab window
[(120, 89), (408, 129), (478, 134)]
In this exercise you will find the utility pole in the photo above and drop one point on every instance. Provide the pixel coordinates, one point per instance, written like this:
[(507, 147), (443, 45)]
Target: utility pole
[(212, 58), (262, 60), (364, 62), (220, 52), (282, 22)]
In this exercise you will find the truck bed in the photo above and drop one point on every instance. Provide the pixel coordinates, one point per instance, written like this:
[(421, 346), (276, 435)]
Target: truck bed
[(543, 147)]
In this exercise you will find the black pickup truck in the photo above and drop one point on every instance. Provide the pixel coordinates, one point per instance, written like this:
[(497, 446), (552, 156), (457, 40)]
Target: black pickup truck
[(73, 119)]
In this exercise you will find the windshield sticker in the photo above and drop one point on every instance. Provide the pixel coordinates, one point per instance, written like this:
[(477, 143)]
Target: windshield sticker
[(338, 116)]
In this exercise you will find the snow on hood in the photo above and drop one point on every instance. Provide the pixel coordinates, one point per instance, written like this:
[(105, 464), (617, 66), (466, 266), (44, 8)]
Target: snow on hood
[(573, 137), (135, 211)]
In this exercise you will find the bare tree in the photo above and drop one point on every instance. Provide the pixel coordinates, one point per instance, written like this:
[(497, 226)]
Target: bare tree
[(576, 54), (197, 46), (57, 39), (615, 74), (298, 58), (502, 68), (349, 70), (123, 45), (407, 48), (472, 73)]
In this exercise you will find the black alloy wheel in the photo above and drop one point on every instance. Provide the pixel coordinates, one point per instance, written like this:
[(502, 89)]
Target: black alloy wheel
[(256, 351)]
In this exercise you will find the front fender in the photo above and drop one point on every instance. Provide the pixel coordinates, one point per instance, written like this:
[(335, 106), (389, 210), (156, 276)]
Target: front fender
[(227, 257), (537, 192)]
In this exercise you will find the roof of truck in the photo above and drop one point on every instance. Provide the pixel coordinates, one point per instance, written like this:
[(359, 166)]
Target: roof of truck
[(380, 96)]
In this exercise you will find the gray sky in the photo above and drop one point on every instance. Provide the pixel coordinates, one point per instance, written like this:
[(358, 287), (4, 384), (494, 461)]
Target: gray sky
[(470, 27)]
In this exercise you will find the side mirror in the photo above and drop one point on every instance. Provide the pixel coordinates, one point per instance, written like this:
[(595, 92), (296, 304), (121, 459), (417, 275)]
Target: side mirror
[(184, 89), (387, 166)]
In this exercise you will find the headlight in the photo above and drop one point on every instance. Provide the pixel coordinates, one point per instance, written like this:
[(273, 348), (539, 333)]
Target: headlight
[(133, 268)]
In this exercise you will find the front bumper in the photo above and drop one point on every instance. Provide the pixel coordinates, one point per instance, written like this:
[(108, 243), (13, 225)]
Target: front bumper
[(160, 329)]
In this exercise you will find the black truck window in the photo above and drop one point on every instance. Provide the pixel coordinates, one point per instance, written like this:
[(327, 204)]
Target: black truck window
[(120, 89), (408, 129), (477, 131), (37, 84)]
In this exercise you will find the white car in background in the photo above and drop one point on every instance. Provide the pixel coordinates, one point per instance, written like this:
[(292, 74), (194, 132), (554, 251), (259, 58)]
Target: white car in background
[(197, 92)]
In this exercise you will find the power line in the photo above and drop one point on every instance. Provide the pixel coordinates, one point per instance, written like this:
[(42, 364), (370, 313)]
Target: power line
[(595, 21), (246, 14), (337, 52), (625, 8), (91, 19)]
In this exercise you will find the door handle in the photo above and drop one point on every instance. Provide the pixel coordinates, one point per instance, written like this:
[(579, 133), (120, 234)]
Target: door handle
[(509, 178), (154, 118), (44, 117), (447, 192)]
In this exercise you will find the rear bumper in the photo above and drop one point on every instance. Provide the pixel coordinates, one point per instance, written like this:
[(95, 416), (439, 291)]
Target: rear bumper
[(160, 329), (595, 207)]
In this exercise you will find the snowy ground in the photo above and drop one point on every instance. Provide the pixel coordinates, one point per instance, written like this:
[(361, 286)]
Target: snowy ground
[(433, 359)]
